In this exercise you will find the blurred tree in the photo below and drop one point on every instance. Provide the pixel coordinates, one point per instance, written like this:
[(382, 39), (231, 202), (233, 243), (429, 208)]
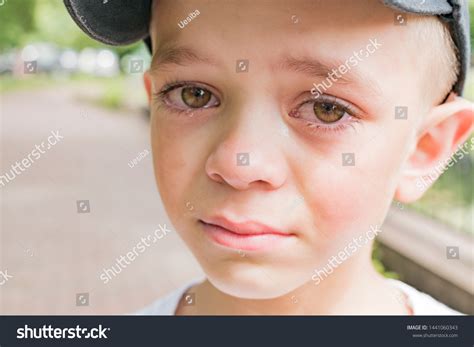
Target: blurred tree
[(471, 13), (28, 21), (17, 18)]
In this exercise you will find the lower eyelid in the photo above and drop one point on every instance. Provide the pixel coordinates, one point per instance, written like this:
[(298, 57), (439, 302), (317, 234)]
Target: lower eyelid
[(170, 107), (314, 127)]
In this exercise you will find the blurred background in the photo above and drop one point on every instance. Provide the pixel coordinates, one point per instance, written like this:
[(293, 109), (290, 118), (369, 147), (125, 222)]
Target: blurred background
[(54, 78)]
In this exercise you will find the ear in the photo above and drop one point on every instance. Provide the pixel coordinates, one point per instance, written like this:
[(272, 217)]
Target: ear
[(147, 83), (442, 133)]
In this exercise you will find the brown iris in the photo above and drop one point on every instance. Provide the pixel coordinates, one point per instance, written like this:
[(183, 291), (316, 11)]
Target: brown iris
[(195, 97), (328, 112)]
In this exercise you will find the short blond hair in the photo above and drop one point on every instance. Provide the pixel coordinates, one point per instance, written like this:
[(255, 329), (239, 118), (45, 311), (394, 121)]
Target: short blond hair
[(443, 73)]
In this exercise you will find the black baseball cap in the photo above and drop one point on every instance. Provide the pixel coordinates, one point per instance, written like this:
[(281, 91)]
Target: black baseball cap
[(125, 22)]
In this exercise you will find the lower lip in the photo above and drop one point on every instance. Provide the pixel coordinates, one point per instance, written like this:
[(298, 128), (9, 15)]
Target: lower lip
[(253, 242)]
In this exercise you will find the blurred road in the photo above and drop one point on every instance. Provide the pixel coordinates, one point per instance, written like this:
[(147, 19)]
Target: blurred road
[(52, 251)]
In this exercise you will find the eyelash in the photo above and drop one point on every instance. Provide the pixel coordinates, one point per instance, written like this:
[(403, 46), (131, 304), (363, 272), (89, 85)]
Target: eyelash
[(313, 127), (353, 117), (170, 86)]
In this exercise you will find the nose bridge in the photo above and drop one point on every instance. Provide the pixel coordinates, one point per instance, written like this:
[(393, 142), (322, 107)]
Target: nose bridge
[(247, 151)]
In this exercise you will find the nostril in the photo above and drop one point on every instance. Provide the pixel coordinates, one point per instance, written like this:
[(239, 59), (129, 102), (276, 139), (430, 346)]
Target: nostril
[(216, 177)]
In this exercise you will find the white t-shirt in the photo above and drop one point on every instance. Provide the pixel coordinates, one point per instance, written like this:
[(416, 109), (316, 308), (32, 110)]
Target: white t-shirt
[(420, 303)]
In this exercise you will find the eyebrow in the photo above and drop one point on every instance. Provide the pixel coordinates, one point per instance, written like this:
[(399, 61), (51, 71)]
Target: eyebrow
[(321, 70), (173, 54)]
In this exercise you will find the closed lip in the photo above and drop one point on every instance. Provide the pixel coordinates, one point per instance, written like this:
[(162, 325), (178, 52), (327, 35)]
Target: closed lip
[(246, 228)]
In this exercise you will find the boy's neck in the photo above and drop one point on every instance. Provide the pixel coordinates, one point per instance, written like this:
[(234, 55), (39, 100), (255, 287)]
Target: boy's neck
[(353, 288)]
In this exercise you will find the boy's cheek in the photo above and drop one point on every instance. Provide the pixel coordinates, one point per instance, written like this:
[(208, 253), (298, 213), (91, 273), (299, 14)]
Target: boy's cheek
[(173, 168), (349, 199), (346, 205)]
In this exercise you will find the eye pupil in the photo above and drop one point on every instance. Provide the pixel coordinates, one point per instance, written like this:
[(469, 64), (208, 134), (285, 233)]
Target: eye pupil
[(198, 93), (327, 107), (328, 112), (195, 97)]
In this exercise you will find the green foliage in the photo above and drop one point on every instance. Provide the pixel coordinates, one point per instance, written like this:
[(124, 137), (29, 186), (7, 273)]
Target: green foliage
[(378, 265), (17, 20), (28, 21), (112, 96)]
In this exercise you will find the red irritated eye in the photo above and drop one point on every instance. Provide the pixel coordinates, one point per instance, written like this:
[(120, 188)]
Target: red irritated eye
[(187, 96), (325, 113)]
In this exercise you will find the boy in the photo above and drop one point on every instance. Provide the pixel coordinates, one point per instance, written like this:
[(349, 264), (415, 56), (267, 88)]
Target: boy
[(289, 127)]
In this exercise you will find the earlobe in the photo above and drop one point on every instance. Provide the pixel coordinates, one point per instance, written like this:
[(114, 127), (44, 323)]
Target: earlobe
[(148, 84), (443, 133)]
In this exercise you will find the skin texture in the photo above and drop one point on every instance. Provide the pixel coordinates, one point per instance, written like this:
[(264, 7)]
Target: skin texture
[(295, 181)]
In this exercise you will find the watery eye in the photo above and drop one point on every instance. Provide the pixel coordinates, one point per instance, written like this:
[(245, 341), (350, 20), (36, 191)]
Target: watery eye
[(195, 97), (189, 97), (328, 112)]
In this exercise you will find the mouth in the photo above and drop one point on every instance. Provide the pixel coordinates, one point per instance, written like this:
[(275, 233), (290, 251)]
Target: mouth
[(245, 236)]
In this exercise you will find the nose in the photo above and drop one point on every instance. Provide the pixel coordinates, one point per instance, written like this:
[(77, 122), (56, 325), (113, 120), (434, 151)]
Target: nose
[(248, 153)]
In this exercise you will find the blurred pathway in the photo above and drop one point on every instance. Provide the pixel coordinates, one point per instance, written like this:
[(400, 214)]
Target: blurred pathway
[(52, 251)]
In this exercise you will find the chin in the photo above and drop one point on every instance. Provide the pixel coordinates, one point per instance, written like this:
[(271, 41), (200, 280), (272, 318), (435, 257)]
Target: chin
[(252, 282)]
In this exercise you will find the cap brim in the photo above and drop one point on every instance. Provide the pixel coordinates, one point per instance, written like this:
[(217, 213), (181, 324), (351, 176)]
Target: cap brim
[(114, 22), (428, 7)]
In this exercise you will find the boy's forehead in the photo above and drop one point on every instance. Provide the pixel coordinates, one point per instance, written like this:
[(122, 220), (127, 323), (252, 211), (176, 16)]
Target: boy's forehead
[(325, 34), (242, 17), (331, 28)]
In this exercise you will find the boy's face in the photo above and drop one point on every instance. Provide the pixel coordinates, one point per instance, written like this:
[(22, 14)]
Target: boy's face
[(319, 170)]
